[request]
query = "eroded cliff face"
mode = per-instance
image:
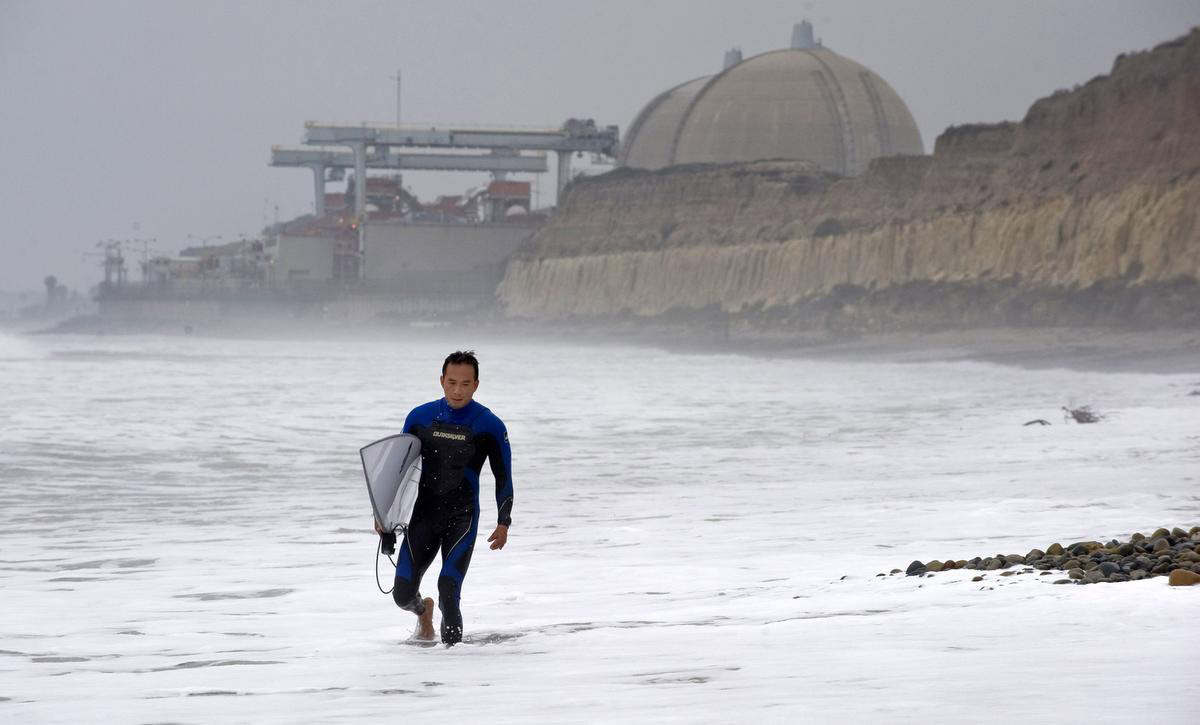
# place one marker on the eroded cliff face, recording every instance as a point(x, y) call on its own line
point(1083, 213)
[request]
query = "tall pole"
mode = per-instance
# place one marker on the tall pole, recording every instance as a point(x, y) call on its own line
point(360, 203)
point(318, 190)
point(397, 78)
point(564, 173)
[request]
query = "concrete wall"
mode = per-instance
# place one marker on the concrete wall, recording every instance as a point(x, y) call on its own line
point(440, 258)
point(304, 258)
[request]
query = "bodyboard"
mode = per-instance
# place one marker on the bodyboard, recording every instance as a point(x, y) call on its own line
point(392, 466)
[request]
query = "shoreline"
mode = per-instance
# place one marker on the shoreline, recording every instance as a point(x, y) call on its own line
point(1155, 351)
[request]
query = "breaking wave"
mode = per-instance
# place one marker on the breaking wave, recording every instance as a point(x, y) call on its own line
point(13, 347)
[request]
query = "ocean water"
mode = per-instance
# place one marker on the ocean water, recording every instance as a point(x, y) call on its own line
point(185, 537)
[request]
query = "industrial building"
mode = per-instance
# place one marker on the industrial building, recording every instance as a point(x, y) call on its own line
point(376, 243)
point(446, 254)
point(804, 102)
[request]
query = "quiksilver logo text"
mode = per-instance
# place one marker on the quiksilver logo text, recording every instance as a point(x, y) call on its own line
point(451, 436)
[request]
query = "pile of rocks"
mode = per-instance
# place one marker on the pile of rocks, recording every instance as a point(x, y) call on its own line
point(1174, 553)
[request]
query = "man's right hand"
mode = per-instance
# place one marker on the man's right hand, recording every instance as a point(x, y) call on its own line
point(378, 528)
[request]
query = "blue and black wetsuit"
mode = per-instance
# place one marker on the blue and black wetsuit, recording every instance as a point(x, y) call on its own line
point(446, 514)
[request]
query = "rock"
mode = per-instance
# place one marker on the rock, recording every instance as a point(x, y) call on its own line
point(1063, 581)
point(1183, 578)
point(895, 571)
point(1089, 562)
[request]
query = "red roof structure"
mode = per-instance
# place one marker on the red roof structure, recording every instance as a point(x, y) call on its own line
point(509, 190)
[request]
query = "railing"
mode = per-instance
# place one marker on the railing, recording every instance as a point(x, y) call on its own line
point(438, 126)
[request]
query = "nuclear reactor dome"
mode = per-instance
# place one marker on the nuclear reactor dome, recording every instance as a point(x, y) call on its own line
point(805, 102)
point(651, 136)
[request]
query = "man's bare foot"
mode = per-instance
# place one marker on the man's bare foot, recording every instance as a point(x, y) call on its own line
point(425, 621)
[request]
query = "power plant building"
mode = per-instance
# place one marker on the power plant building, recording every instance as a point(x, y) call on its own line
point(804, 102)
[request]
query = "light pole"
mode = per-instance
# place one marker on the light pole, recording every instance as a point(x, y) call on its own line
point(397, 79)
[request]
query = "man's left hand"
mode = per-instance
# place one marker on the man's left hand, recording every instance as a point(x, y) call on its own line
point(499, 537)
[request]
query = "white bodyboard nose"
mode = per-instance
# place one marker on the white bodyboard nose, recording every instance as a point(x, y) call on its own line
point(392, 466)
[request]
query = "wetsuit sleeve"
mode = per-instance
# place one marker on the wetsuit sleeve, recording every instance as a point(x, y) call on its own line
point(500, 458)
point(411, 421)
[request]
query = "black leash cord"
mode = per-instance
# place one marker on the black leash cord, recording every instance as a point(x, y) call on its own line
point(378, 551)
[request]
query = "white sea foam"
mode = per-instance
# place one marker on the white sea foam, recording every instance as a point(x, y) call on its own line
point(13, 347)
point(186, 537)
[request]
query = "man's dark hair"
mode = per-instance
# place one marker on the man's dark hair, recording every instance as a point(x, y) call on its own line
point(459, 357)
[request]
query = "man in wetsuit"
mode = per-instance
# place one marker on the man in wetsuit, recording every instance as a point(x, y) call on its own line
point(456, 434)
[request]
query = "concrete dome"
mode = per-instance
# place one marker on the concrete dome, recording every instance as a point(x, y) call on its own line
point(808, 103)
point(649, 140)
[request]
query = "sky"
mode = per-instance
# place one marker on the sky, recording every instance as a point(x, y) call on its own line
point(142, 119)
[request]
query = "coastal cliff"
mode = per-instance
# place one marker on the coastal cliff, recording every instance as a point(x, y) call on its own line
point(1084, 213)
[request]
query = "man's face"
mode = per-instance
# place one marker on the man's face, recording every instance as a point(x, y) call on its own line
point(459, 384)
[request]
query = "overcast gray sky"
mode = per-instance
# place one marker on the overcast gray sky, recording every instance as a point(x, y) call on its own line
point(149, 118)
